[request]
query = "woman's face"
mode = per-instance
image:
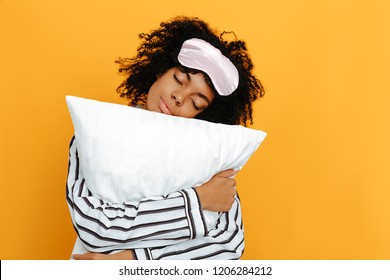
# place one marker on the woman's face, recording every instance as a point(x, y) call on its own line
point(179, 94)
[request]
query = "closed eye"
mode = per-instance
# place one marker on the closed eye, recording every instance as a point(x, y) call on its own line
point(177, 80)
point(196, 107)
point(198, 103)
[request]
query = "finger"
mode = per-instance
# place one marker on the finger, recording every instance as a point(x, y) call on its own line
point(87, 256)
point(231, 182)
point(77, 257)
point(228, 173)
point(228, 183)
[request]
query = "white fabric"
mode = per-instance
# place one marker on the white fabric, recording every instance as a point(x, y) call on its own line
point(127, 153)
point(201, 55)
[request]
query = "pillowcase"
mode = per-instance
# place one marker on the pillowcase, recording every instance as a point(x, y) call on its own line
point(128, 153)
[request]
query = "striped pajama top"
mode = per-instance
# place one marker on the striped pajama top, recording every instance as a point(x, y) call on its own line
point(164, 227)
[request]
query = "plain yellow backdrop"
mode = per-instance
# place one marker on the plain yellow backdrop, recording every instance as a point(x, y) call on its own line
point(318, 187)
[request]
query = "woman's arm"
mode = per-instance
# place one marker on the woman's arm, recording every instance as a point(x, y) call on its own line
point(104, 226)
point(224, 242)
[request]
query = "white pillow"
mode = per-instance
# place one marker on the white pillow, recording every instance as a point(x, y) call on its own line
point(128, 153)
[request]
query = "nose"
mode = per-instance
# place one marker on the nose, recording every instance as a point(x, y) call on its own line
point(178, 97)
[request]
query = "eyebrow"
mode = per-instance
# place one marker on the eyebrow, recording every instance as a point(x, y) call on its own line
point(188, 76)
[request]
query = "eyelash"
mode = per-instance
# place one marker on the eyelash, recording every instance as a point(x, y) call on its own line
point(180, 83)
point(177, 80)
point(193, 103)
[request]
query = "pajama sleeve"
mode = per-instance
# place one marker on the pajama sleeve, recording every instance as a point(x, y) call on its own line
point(224, 242)
point(105, 227)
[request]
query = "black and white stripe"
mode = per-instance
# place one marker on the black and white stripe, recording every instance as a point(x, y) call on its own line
point(166, 227)
point(226, 241)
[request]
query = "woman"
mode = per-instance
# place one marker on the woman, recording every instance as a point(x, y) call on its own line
point(182, 69)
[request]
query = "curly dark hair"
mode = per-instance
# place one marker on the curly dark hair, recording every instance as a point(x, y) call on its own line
point(158, 53)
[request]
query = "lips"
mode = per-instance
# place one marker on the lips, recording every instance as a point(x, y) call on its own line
point(164, 107)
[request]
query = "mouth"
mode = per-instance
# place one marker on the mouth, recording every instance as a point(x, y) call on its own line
point(164, 107)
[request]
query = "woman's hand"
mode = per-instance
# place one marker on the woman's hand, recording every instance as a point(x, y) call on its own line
point(124, 255)
point(217, 195)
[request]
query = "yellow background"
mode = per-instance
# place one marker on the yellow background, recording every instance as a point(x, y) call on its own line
point(318, 188)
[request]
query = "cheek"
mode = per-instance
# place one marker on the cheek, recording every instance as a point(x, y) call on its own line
point(154, 91)
point(160, 87)
point(151, 99)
